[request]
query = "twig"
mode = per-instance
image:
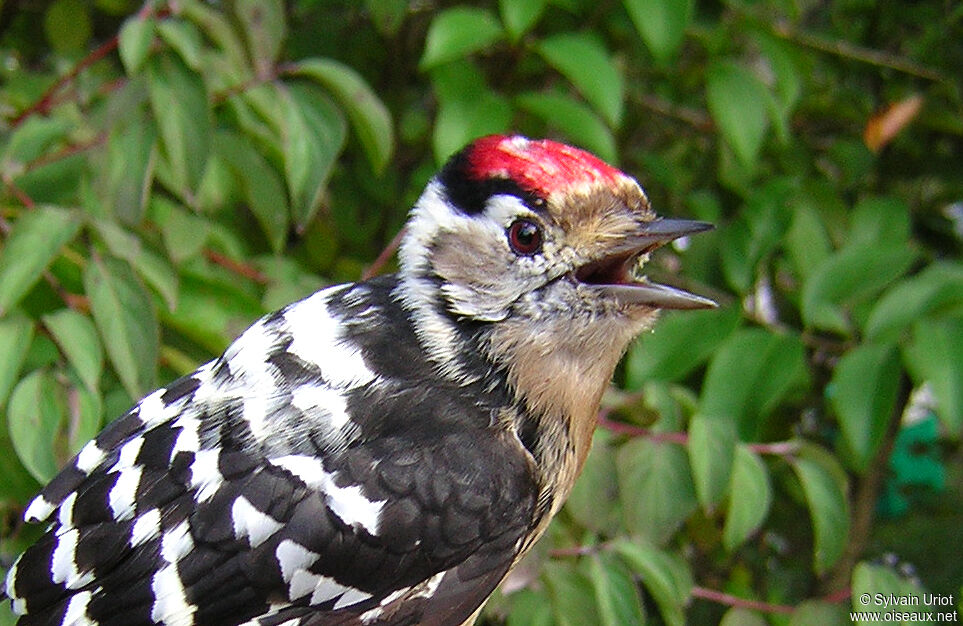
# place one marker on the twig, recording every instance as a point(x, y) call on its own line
point(638, 431)
point(858, 53)
point(705, 593)
point(49, 97)
point(741, 603)
point(779, 448)
point(17, 192)
point(254, 81)
point(43, 105)
point(693, 117)
point(236, 267)
point(382, 260)
point(65, 152)
point(867, 494)
point(556, 553)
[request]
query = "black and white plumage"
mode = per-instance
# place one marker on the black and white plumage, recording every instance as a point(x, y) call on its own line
point(381, 452)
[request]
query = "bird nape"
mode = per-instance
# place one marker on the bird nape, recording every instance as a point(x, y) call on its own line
point(381, 452)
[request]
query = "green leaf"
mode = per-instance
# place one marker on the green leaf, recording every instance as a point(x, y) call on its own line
point(179, 102)
point(571, 593)
point(216, 27)
point(661, 24)
point(750, 374)
point(31, 139)
point(30, 248)
point(742, 617)
point(615, 592)
point(134, 41)
point(289, 281)
point(680, 343)
point(936, 289)
point(806, 241)
point(260, 184)
point(457, 32)
point(572, 118)
point(863, 395)
point(875, 588)
point(530, 608)
point(520, 15)
point(125, 317)
point(468, 108)
point(265, 30)
point(934, 356)
point(750, 239)
point(589, 67)
point(125, 184)
point(76, 335)
point(387, 15)
point(665, 576)
point(787, 81)
point(183, 232)
point(656, 488)
point(819, 613)
point(825, 487)
point(211, 313)
point(85, 417)
point(712, 443)
point(185, 39)
point(594, 497)
point(738, 102)
point(750, 496)
point(847, 278)
point(369, 117)
point(312, 135)
point(881, 221)
point(152, 267)
point(67, 25)
point(35, 415)
point(16, 333)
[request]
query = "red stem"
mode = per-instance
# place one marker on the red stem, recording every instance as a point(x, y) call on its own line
point(43, 105)
point(389, 250)
point(779, 448)
point(735, 601)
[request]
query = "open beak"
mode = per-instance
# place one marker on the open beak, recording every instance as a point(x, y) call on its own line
point(617, 272)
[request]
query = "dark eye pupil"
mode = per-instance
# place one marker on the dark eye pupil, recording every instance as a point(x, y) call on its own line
point(524, 237)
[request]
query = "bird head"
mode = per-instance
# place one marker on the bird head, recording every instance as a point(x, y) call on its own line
point(518, 227)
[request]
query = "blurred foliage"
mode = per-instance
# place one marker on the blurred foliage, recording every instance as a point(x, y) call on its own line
point(174, 170)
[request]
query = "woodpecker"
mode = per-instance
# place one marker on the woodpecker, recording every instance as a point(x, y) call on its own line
point(381, 452)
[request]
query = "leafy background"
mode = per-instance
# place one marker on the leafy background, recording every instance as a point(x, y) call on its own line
point(171, 171)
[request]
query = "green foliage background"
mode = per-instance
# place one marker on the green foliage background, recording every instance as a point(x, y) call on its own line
point(172, 171)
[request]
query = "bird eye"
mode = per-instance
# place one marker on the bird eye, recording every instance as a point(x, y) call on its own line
point(525, 237)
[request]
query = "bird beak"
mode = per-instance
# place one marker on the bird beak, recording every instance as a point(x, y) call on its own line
point(617, 276)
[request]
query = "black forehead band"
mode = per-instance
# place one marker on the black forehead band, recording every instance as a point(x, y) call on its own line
point(470, 195)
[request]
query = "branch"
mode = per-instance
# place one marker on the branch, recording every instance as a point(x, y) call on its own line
point(779, 448)
point(740, 603)
point(848, 50)
point(375, 268)
point(66, 151)
point(48, 99)
point(867, 494)
point(696, 118)
point(241, 269)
